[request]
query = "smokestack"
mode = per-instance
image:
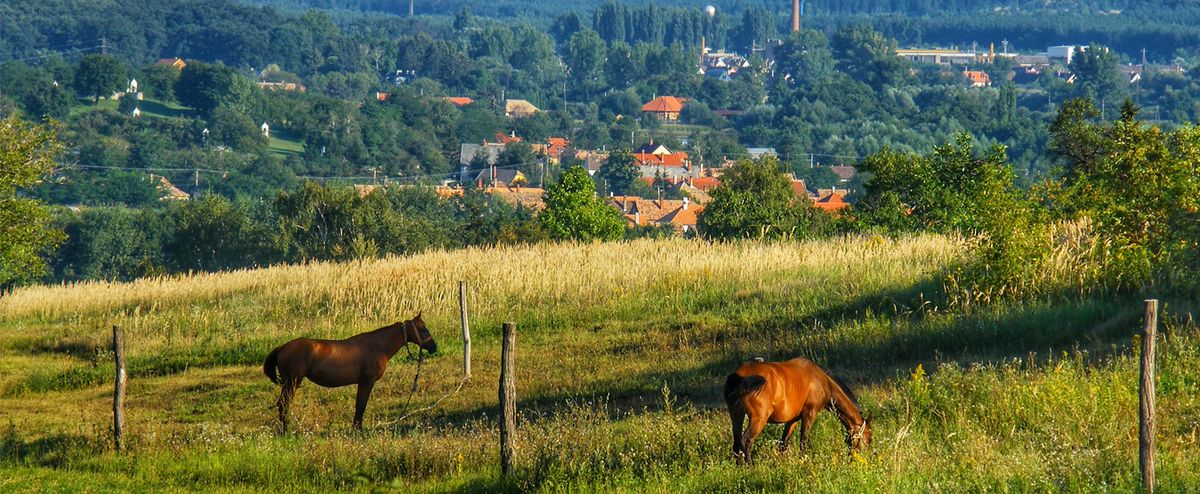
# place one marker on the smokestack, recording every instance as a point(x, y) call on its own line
point(795, 16)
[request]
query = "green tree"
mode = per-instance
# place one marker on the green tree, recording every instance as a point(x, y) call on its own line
point(953, 189)
point(158, 81)
point(1138, 190)
point(27, 152)
point(805, 58)
point(213, 233)
point(755, 200)
point(584, 56)
point(204, 87)
point(99, 75)
point(620, 172)
point(868, 56)
point(48, 100)
point(1099, 77)
point(574, 212)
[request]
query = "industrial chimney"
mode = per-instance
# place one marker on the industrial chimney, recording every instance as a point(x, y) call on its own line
point(795, 16)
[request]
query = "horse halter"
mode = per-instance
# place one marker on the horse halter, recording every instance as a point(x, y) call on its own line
point(859, 432)
point(409, 324)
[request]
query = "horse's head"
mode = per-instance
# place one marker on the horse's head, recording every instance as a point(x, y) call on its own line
point(859, 437)
point(416, 332)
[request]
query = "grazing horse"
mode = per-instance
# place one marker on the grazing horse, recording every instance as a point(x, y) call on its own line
point(788, 393)
point(359, 359)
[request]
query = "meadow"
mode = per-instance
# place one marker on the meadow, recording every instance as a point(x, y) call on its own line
point(621, 352)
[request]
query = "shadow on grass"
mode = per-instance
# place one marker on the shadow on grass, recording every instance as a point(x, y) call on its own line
point(870, 339)
point(55, 451)
point(151, 365)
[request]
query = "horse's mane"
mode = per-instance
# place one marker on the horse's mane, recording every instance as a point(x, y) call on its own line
point(845, 388)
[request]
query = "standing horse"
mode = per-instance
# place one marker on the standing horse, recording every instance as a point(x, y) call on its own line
point(359, 359)
point(788, 393)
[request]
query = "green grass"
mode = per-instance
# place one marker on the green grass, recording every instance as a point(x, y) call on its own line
point(150, 108)
point(285, 143)
point(622, 349)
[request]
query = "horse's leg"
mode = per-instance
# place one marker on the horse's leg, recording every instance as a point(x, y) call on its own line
point(360, 404)
point(787, 434)
point(806, 421)
point(285, 400)
point(756, 427)
point(738, 418)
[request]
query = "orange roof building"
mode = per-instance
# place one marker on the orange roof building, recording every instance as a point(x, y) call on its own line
point(680, 214)
point(176, 62)
point(832, 202)
point(977, 78)
point(665, 107)
point(459, 101)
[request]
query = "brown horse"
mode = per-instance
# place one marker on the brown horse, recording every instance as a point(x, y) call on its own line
point(788, 393)
point(359, 359)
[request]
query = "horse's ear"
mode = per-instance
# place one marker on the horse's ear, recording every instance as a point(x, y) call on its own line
point(419, 312)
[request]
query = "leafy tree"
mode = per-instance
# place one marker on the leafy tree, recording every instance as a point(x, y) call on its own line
point(755, 200)
point(868, 56)
point(236, 130)
point(48, 100)
point(620, 172)
point(1099, 77)
point(204, 87)
point(99, 75)
point(1138, 190)
point(158, 81)
point(112, 243)
point(950, 190)
point(27, 151)
point(584, 56)
point(212, 234)
point(805, 58)
point(574, 212)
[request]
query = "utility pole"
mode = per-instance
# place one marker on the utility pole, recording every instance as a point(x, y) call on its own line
point(197, 182)
point(103, 45)
point(410, 8)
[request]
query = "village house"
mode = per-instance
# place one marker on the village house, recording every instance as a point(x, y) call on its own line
point(459, 101)
point(552, 149)
point(679, 214)
point(500, 177)
point(665, 108)
point(517, 108)
point(167, 191)
point(178, 63)
point(528, 197)
point(282, 86)
point(656, 159)
point(977, 78)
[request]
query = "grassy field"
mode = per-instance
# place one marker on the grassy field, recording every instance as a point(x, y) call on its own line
point(284, 143)
point(150, 108)
point(622, 349)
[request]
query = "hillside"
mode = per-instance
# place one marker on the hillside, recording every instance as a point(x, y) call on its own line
point(622, 348)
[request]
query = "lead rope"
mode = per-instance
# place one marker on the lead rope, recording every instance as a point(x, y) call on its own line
point(413, 390)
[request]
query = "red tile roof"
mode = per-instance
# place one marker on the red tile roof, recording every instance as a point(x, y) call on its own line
point(832, 202)
point(706, 183)
point(664, 104)
point(673, 159)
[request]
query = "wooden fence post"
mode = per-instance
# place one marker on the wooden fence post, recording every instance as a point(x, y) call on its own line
point(466, 329)
point(119, 388)
point(1146, 421)
point(508, 397)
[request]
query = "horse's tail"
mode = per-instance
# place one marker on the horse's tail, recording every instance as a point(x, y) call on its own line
point(269, 365)
point(737, 387)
